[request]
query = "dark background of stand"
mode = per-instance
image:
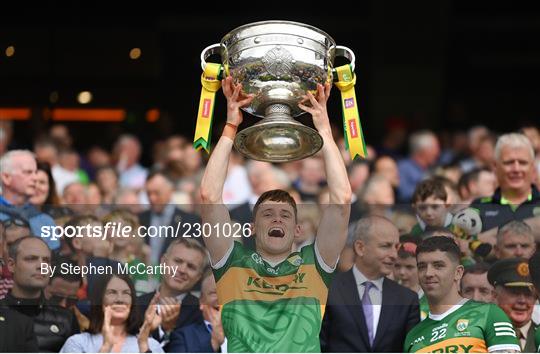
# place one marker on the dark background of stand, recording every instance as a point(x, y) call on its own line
point(445, 64)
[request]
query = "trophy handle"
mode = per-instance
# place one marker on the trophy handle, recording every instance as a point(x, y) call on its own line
point(342, 51)
point(208, 51)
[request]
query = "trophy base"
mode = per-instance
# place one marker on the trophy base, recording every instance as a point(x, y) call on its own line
point(278, 138)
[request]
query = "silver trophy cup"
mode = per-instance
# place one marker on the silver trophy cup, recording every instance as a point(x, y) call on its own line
point(278, 62)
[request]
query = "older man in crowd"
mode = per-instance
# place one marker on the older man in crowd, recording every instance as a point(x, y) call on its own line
point(515, 295)
point(366, 311)
point(18, 170)
point(517, 197)
point(515, 239)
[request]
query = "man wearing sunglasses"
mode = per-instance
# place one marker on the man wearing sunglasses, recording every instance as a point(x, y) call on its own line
point(18, 170)
point(62, 290)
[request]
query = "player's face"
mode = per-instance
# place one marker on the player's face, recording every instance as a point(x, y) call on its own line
point(275, 227)
point(406, 273)
point(477, 287)
point(432, 211)
point(438, 274)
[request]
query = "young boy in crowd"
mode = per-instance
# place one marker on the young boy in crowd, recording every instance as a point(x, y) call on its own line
point(406, 271)
point(430, 204)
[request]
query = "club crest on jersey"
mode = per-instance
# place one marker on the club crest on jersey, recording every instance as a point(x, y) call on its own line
point(295, 260)
point(462, 324)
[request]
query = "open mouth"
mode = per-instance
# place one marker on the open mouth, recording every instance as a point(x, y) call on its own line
point(276, 232)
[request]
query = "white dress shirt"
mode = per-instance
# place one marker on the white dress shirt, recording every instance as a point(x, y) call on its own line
point(375, 294)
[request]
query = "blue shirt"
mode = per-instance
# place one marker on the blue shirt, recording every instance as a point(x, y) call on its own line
point(409, 176)
point(35, 218)
point(91, 343)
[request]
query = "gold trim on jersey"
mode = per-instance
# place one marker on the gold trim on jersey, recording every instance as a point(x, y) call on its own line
point(246, 284)
point(456, 345)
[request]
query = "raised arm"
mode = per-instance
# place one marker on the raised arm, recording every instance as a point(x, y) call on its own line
point(332, 231)
point(213, 211)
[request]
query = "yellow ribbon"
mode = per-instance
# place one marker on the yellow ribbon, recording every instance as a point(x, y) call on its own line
point(210, 85)
point(354, 136)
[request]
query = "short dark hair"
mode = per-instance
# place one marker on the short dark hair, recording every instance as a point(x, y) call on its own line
point(432, 187)
point(71, 277)
point(477, 268)
point(159, 172)
point(440, 243)
point(13, 249)
point(437, 231)
point(193, 244)
point(468, 177)
point(96, 301)
point(534, 269)
point(276, 195)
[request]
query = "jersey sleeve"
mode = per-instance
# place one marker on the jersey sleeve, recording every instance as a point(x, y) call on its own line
point(310, 254)
point(500, 333)
point(233, 253)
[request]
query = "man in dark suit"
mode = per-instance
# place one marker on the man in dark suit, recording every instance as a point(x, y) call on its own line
point(204, 337)
point(367, 312)
point(160, 188)
point(176, 305)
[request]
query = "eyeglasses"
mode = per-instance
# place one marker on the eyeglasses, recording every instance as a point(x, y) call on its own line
point(56, 299)
point(15, 221)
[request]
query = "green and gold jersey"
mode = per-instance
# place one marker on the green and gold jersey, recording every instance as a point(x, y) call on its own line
point(269, 308)
point(537, 339)
point(469, 327)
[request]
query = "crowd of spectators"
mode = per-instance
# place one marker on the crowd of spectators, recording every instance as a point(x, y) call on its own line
point(419, 188)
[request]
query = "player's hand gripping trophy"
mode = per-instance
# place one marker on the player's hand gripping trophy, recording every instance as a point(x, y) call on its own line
point(277, 63)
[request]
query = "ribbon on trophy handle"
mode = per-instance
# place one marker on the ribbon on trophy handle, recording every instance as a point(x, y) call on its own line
point(211, 83)
point(354, 136)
